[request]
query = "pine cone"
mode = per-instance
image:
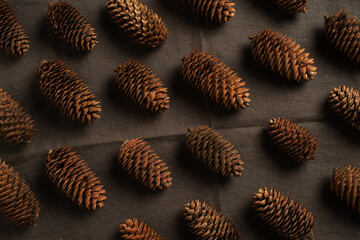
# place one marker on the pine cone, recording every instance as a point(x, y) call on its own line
point(291, 6)
point(68, 24)
point(213, 78)
point(284, 215)
point(145, 88)
point(293, 140)
point(67, 91)
point(206, 223)
point(17, 201)
point(138, 22)
point(345, 102)
point(71, 174)
point(346, 184)
point(134, 229)
point(282, 55)
point(16, 125)
point(343, 32)
point(219, 11)
point(12, 36)
point(217, 153)
point(139, 160)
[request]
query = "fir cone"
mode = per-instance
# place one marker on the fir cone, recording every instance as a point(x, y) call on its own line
point(213, 78)
point(284, 215)
point(12, 36)
point(346, 184)
point(67, 91)
point(138, 22)
point(206, 223)
point(17, 201)
point(145, 88)
point(217, 153)
point(282, 55)
point(134, 229)
point(219, 11)
point(71, 174)
point(139, 160)
point(16, 125)
point(343, 32)
point(292, 6)
point(345, 102)
point(293, 140)
point(68, 24)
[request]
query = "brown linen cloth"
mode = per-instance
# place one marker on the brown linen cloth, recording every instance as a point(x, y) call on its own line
point(165, 132)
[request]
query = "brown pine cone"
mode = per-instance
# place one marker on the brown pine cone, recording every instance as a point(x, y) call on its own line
point(284, 215)
point(139, 160)
point(346, 184)
point(17, 201)
point(343, 32)
point(12, 36)
point(217, 153)
point(293, 140)
point(71, 174)
point(282, 55)
point(206, 223)
point(67, 91)
point(219, 11)
point(145, 88)
point(213, 78)
point(134, 229)
point(291, 6)
point(16, 125)
point(68, 24)
point(138, 22)
point(345, 102)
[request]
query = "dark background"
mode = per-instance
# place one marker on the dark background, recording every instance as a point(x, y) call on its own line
point(165, 132)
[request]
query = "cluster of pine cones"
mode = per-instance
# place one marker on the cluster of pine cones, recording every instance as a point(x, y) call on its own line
point(205, 72)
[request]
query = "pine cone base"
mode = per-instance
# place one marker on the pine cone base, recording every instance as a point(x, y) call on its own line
point(134, 229)
point(292, 6)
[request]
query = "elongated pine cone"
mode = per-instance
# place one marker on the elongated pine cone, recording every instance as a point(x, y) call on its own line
point(71, 174)
point(145, 88)
point(139, 160)
point(343, 32)
point(293, 140)
point(292, 6)
point(138, 22)
point(134, 229)
point(284, 215)
point(345, 103)
point(12, 36)
point(217, 153)
point(16, 125)
point(216, 80)
point(282, 55)
point(346, 184)
point(68, 24)
point(67, 91)
point(219, 11)
point(17, 201)
point(206, 223)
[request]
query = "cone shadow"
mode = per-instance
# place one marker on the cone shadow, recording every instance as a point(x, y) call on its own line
point(271, 10)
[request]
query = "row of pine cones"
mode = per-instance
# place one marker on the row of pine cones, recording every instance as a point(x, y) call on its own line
point(72, 175)
point(146, 28)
